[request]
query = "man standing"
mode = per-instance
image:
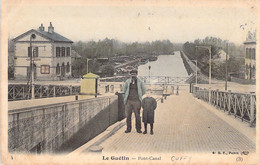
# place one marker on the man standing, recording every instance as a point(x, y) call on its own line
point(133, 90)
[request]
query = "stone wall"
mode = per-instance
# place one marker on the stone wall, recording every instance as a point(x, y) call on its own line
point(47, 128)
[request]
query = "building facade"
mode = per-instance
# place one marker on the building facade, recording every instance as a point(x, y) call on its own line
point(250, 60)
point(51, 55)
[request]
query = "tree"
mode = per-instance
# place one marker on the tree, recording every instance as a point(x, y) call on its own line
point(107, 70)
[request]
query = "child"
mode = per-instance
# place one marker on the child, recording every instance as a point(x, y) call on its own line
point(149, 104)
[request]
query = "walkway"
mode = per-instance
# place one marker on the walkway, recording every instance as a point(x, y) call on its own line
point(183, 124)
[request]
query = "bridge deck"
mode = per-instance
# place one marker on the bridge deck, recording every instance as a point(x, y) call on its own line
point(184, 124)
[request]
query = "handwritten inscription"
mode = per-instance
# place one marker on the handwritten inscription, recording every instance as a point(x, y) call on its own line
point(181, 158)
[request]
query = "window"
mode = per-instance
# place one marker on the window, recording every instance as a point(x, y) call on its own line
point(63, 69)
point(253, 53)
point(247, 52)
point(58, 69)
point(35, 52)
point(250, 53)
point(57, 51)
point(68, 67)
point(68, 51)
point(45, 69)
point(63, 52)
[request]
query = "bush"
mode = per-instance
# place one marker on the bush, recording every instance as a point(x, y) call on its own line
point(107, 70)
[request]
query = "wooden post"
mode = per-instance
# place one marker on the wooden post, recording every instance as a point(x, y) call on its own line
point(217, 98)
point(71, 90)
point(112, 88)
point(121, 87)
point(209, 95)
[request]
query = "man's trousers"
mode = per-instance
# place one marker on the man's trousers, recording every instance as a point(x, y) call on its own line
point(133, 106)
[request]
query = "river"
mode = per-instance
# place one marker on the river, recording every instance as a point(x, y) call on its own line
point(166, 65)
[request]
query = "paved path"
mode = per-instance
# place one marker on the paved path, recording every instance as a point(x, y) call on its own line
point(182, 124)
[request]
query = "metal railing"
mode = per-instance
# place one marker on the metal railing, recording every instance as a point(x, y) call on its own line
point(114, 79)
point(22, 91)
point(163, 79)
point(240, 105)
point(149, 79)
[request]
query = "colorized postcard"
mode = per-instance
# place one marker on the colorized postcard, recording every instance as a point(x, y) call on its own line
point(129, 82)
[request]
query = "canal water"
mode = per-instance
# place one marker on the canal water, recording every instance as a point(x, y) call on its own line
point(166, 65)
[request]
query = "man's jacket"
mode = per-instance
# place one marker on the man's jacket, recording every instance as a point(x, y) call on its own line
point(140, 86)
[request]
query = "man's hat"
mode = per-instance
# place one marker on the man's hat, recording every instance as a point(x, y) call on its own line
point(134, 71)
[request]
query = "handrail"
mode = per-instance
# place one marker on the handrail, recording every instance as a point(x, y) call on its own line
point(20, 91)
point(240, 105)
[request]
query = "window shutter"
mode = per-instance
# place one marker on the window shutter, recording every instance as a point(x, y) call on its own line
point(29, 51)
point(35, 52)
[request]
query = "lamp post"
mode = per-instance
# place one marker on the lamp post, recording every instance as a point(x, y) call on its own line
point(196, 70)
point(226, 67)
point(87, 64)
point(31, 79)
point(149, 67)
point(209, 48)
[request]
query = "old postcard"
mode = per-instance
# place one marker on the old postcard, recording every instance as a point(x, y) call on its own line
point(129, 82)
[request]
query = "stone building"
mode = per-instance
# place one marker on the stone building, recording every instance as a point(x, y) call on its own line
point(51, 55)
point(250, 59)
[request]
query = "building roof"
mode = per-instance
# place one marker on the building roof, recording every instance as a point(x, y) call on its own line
point(90, 75)
point(75, 54)
point(51, 36)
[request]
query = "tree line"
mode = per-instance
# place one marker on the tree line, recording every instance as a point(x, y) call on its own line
point(235, 62)
point(108, 48)
point(111, 47)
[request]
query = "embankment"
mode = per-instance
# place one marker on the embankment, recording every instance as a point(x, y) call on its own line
point(60, 127)
point(186, 65)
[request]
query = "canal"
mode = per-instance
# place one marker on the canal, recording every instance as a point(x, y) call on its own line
point(166, 65)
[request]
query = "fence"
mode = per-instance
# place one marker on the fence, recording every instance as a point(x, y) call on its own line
point(163, 79)
point(114, 79)
point(149, 79)
point(22, 91)
point(240, 105)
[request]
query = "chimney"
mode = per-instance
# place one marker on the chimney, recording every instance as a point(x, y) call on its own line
point(41, 28)
point(50, 28)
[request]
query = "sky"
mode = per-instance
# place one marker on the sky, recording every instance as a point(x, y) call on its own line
point(134, 23)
